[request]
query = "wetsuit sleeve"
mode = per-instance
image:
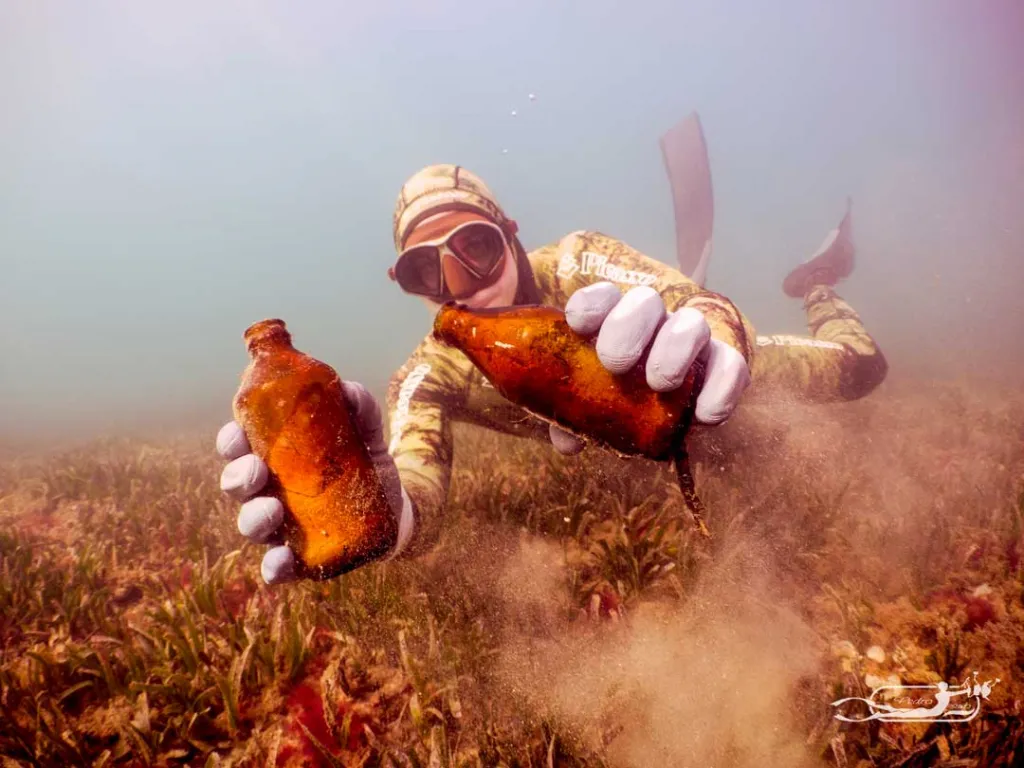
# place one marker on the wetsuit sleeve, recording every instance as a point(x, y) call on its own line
point(583, 258)
point(421, 397)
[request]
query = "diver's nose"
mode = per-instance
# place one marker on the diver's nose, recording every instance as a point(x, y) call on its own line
point(460, 281)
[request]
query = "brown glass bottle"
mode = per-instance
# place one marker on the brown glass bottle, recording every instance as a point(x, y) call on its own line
point(534, 359)
point(294, 412)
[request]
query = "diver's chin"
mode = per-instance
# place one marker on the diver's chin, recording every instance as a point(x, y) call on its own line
point(477, 301)
point(470, 301)
point(499, 295)
point(488, 298)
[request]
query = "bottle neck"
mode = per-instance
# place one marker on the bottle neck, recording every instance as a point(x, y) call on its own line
point(264, 346)
point(267, 336)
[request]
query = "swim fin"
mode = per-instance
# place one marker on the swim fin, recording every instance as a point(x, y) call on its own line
point(832, 262)
point(685, 155)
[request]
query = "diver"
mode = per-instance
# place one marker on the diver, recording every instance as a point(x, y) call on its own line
point(454, 241)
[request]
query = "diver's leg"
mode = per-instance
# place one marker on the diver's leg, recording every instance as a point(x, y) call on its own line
point(840, 360)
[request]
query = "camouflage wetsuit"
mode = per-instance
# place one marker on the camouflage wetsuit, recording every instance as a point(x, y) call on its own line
point(438, 385)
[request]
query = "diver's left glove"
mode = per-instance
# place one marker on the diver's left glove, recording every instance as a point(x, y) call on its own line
point(260, 517)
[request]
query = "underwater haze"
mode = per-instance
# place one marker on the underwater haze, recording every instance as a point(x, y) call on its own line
point(173, 172)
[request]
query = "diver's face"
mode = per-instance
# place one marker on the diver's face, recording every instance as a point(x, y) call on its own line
point(474, 262)
point(500, 294)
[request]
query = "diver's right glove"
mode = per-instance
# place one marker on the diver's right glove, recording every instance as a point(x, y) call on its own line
point(627, 324)
point(260, 517)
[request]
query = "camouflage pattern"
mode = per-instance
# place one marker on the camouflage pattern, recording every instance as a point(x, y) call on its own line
point(438, 386)
point(839, 362)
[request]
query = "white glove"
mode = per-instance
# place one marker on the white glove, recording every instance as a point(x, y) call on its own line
point(626, 324)
point(260, 517)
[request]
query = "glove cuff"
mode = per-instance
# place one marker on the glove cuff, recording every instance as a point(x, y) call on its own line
point(406, 524)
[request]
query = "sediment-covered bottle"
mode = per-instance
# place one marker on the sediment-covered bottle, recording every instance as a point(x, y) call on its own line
point(294, 412)
point(536, 360)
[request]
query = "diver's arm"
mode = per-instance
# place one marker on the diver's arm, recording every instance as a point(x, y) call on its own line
point(598, 278)
point(585, 258)
point(420, 398)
